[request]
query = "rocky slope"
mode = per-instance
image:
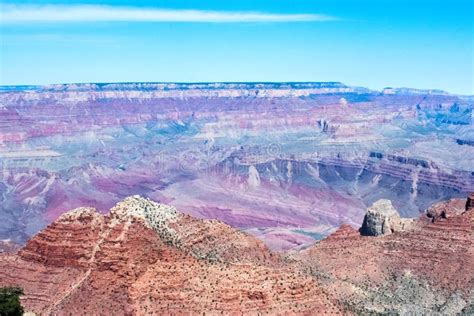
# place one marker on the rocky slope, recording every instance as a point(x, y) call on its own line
point(307, 156)
point(148, 258)
point(426, 268)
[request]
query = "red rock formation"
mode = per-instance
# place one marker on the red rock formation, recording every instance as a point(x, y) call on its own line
point(446, 209)
point(388, 272)
point(343, 232)
point(68, 242)
point(146, 258)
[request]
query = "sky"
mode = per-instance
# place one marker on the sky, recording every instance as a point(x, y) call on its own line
point(371, 43)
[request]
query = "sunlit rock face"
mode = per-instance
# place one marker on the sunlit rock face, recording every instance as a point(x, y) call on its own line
point(383, 219)
point(286, 162)
point(423, 270)
point(146, 258)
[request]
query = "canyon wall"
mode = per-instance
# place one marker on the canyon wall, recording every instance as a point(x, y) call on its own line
point(286, 162)
point(149, 258)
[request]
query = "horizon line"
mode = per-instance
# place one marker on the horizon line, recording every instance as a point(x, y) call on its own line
point(427, 90)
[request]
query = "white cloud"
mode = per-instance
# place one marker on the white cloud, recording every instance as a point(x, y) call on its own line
point(94, 13)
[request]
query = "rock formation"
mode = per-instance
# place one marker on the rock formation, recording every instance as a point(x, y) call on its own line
point(383, 219)
point(445, 209)
point(470, 203)
point(428, 269)
point(148, 258)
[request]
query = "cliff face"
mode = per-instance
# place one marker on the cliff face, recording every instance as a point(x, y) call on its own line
point(428, 268)
point(149, 258)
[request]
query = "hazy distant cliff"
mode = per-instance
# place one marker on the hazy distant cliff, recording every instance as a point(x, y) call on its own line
point(287, 162)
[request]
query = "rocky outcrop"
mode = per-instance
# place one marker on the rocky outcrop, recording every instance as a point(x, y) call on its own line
point(148, 258)
point(68, 242)
point(470, 203)
point(428, 269)
point(383, 219)
point(445, 209)
point(204, 239)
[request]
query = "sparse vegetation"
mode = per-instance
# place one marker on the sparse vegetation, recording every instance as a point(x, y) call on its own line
point(10, 301)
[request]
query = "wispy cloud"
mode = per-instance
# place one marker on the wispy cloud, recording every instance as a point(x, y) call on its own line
point(95, 13)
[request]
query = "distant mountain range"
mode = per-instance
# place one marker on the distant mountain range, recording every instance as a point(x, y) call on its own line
point(121, 86)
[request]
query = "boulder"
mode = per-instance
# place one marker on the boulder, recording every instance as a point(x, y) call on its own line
point(383, 219)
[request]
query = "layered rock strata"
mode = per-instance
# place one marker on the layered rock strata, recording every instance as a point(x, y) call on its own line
point(426, 269)
point(148, 258)
point(308, 156)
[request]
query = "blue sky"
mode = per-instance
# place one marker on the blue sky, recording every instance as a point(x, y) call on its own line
point(372, 43)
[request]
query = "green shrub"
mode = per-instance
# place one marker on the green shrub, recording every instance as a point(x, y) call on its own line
point(10, 301)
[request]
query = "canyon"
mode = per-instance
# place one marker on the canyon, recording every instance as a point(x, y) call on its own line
point(288, 163)
point(144, 257)
point(147, 258)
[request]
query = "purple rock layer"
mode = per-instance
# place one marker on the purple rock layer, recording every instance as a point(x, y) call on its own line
point(286, 162)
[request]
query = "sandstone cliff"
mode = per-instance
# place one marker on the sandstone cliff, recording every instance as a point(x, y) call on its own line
point(148, 258)
point(426, 269)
